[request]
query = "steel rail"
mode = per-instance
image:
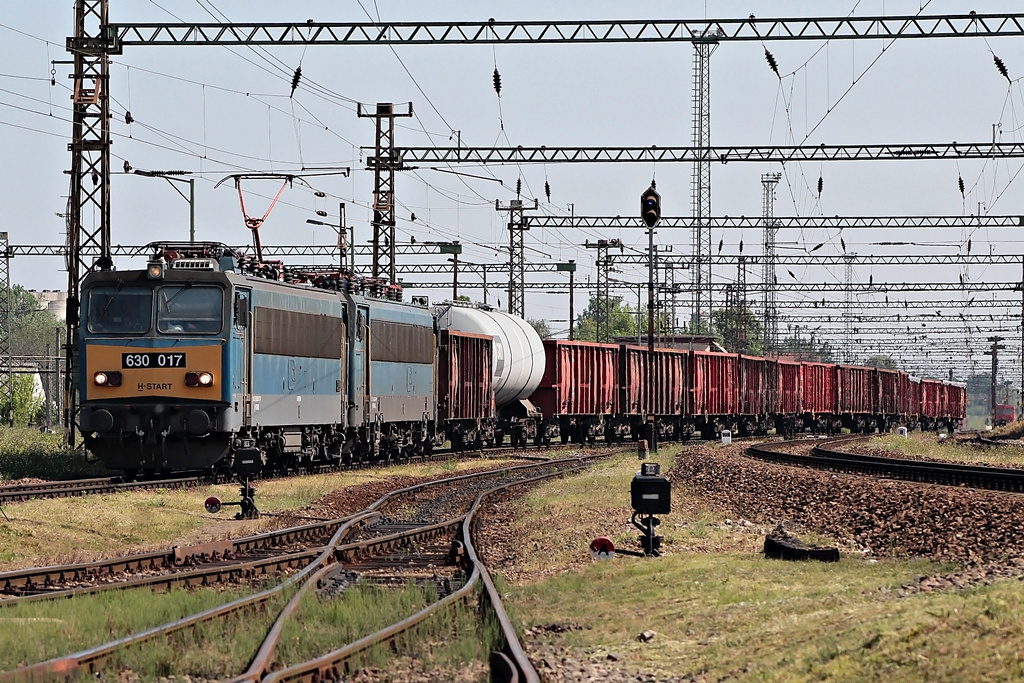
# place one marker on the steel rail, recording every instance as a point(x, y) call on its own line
point(93, 659)
point(85, 487)
point(885, 27)
point(823, 456)
point(331, 666)
point(49, 578)
point(42, 583)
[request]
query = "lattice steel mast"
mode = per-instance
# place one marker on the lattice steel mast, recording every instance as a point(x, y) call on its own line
point(768, 275)
point(385, 162)
point(602, 317)
point(700, 181)
point(88, 215)
point(516, 256)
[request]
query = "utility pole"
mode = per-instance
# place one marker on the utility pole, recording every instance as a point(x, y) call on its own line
point(994, 352)
point(570, 267)
point(604, 265)
point(516, 259)
point(768, 275)
point(7, 311)
point(453, 248)
point(650, 212)
point(88, 218)
point(385, 162)
point(848, 309)
point(701, 176)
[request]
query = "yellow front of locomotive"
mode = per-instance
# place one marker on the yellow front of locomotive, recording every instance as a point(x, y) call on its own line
point(152, 385)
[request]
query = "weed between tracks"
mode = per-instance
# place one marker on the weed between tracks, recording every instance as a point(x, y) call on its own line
point(443, 642)
point(924, 444)
point(35, 632)
point(719, 609)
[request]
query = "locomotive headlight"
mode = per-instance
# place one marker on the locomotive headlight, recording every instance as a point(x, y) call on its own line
point(199, 379)
point(155, 270)
point(107, 379)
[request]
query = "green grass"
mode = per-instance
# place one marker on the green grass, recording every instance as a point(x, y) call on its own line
point(35, 632)
point(927, 445)
point(452, 637)
point(26, 453)
point(720, 610)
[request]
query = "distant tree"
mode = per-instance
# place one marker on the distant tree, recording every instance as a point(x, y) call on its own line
point(28, 401)
point(739, 330)
point(806, 349)
point(881, 361)
point(462, 297)
point(621, 321)
point(32, 326)
point(542, 327)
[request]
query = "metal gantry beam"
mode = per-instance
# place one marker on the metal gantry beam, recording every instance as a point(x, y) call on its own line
point(802, 222)
point(720, 154)
point(731, 260)
point(798, 287)
point(752, 28)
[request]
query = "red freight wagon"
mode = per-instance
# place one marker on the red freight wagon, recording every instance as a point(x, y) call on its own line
point(464, 369)
point(789, 398)
point(820, 387)
point(714, 387)
point(887, 392)
point(916, 394)
point(758, 385)
point(666, 369)
point(957, 401)
point(855, 389)
point(931, 398)
point(580, 378)
point(905, 396)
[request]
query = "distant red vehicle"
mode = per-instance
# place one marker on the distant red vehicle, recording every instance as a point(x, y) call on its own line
point(1005, 413)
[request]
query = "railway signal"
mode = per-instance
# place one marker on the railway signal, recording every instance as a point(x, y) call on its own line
point(650, 206)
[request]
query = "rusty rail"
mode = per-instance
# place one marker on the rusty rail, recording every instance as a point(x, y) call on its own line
point(510, 665)
point(85, 487)
point(92, 660)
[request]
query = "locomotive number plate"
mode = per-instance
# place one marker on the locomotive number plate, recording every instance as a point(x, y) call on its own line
point(152, 360)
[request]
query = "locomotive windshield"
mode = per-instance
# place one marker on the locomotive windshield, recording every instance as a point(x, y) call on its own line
point(120, 309)
point(189, 309)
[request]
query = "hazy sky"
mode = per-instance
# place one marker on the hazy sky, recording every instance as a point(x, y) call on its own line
point(220, 110)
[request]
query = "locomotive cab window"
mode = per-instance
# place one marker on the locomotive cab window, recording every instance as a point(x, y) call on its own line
point(189, 309)
point(119, 309)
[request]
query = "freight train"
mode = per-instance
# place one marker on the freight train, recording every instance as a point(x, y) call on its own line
point(211, 360)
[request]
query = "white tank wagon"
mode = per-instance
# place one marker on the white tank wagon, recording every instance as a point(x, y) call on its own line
point(518, 361)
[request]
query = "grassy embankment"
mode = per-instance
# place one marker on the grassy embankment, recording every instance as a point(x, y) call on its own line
point(28, 453)
point(718, 608)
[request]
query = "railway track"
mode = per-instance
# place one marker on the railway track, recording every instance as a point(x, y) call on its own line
point(104, 485)
point(375, 542)
point(825, 455)
point(85, 487)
